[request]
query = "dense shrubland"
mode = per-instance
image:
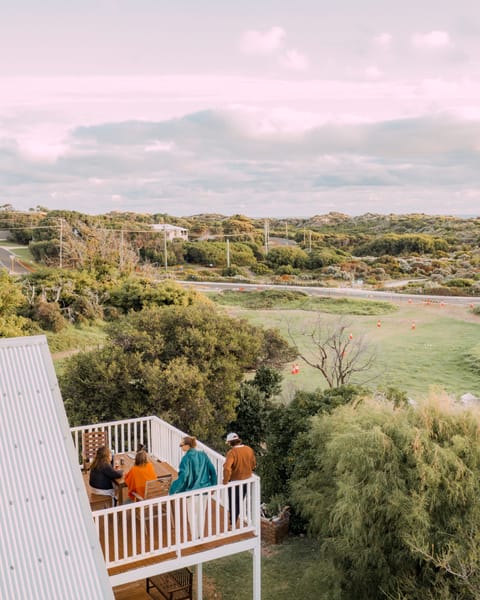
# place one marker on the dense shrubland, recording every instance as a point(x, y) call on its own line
point(323, 249)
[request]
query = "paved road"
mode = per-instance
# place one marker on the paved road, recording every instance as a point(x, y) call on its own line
point(335, 292)
point(9, 261)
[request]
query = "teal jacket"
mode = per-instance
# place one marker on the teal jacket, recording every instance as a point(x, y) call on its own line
point(196, 471)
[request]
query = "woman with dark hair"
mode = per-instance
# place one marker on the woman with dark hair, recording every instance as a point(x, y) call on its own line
point(195, 471)
point(102, 474)
point(141, 472)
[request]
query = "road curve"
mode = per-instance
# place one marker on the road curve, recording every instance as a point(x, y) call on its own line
point(335, 292)
point(9, 261)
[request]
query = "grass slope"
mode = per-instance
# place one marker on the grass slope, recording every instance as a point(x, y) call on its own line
point(437, 352)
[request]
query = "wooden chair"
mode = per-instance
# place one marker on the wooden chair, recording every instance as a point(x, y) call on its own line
point(99, 501)
point(91, 442)
point(155, 488)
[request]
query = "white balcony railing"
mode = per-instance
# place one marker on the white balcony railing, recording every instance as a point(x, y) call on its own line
point(170, 524)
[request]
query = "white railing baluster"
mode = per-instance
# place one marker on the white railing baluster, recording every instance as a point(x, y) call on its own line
point(169, 530)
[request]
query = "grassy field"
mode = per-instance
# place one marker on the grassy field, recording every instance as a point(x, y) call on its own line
point(291, 300)
point(436, 353)
point(282, 568)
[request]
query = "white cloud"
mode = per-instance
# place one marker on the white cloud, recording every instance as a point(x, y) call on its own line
point(373, 72)
point(158, 146)
point(383, 39)
point(433, 39)
point(295, 60)
point(262, 42)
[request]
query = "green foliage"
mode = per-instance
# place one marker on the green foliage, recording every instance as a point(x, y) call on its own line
point(268, 381)
point(215, 253)
point(11, 297)
point(254, 407)
point(49, 316)
point(392, 495)
point(287, 255)
point(135, 293)
point(183, 363)
point(11, 302)
point(324, 257)
point(253, 413)
point(395, 244)
point(286, 423)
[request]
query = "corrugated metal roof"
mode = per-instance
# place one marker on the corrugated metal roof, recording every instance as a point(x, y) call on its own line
point(48, 545)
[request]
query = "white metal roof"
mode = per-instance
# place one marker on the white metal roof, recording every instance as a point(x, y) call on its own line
point(49, 548)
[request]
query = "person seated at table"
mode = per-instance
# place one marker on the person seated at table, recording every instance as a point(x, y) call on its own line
point(141, 472)
point(102, 474)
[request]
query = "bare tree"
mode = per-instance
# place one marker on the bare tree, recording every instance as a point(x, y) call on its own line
point(335, 352)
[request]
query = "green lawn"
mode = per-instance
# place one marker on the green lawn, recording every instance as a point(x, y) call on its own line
point(282, 568)
point(435, 353)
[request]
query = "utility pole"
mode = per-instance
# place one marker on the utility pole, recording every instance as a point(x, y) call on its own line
point(228, 253)
point(121, 249)
point(266, 235)
point(61, 244)
point(309, 240)
point(165, 247)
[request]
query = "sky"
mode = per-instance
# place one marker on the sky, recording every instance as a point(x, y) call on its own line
point(263, 108)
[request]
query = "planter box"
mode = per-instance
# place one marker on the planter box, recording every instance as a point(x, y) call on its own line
point(275, 530)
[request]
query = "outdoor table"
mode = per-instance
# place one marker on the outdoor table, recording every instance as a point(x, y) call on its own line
point(125, 461)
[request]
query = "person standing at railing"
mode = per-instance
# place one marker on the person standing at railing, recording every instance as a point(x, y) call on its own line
point(102, 474)
point(196, 471)
point(240, 463)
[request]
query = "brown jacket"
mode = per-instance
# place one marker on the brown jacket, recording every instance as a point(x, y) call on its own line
point(239, 463)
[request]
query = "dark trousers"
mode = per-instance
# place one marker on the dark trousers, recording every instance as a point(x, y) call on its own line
point(235, 497)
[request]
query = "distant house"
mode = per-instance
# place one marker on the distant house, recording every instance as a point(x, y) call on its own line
point(171, 231)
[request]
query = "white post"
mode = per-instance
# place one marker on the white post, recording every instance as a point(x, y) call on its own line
point(199, 573)
point(257, 572)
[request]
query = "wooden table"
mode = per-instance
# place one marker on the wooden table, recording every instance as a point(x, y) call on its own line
point(125, 461)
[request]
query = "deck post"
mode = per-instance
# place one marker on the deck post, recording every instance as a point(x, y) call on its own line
point(257, 571)
point(199, 574)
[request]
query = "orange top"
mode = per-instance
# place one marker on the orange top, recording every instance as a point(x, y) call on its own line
point(136, 478)
point(239, 463)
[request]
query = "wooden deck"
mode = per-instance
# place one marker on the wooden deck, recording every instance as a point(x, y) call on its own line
point(126, 536)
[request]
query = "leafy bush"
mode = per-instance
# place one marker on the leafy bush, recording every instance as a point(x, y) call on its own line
point(392, 496)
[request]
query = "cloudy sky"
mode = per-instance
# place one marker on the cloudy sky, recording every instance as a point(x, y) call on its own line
point(261, 107)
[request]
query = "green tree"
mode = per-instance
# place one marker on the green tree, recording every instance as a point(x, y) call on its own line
point(285, 424)
point(287, 255)
point(12, 301)
point(392, 496)
point(183, 363)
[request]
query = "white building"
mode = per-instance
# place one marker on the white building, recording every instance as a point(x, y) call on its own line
point(171, 232)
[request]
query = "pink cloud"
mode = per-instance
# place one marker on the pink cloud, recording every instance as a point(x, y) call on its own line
point(262, 42)
point(433, 39)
